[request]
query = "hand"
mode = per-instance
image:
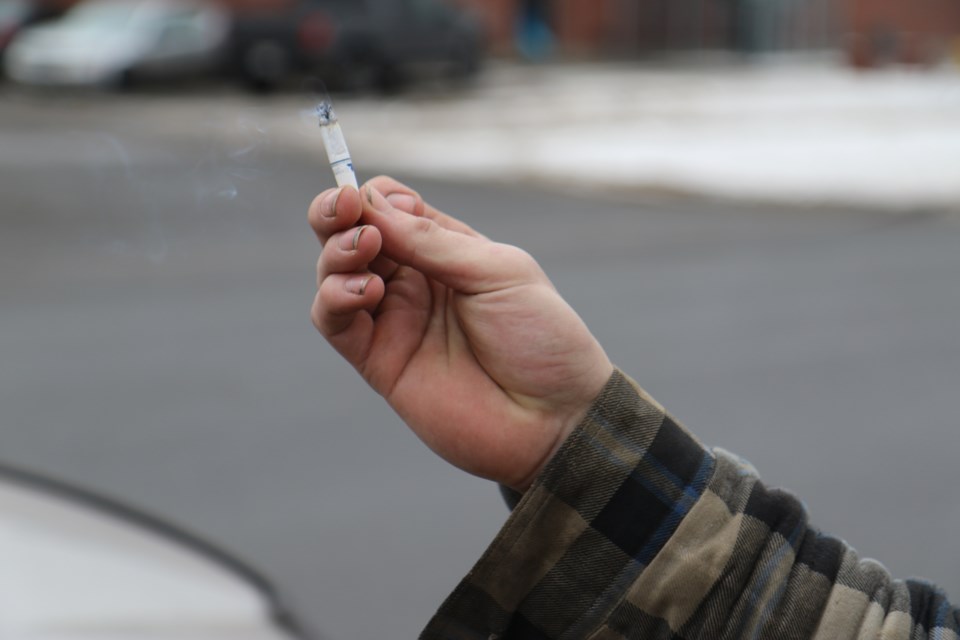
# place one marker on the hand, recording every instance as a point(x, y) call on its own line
point(466, 338)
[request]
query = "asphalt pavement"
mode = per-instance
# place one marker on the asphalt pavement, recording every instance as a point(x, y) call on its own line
point(156, 345)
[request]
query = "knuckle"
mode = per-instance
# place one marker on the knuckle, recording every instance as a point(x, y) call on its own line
point(517, 256)
point(424, 226)
point(520, 260)
point(422, 230)
point(325, 293)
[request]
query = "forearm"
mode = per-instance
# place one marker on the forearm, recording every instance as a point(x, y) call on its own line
point(636, 530)
point(781, 578)
point(574, 545)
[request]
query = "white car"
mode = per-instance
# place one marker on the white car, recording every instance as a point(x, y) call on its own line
point(80, 565)
point(113, 42)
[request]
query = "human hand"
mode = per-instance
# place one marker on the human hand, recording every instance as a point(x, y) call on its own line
point(465, 338)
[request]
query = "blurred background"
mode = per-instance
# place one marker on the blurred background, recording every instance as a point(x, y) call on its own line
point(754, 205)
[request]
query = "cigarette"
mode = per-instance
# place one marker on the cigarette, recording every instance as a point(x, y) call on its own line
point(336, 146)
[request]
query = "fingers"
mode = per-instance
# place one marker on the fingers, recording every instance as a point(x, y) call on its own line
point(338, 209)
point(342, 312)
point(350, 251)
point(406, 199)
point(347, 293)
point(333, 211)
point(400, 195)
point(466, 262)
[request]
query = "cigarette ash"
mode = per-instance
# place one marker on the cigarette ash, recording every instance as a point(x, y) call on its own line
point(325, 113)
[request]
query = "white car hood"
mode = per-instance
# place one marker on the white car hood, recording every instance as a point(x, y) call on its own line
point(71, 572)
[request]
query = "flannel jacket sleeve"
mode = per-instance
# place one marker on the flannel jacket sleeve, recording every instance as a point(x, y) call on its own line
point(636, 531)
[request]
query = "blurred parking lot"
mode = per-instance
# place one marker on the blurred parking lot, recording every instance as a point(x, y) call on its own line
point(725, 230)
point(796, 130)
point(260, 44)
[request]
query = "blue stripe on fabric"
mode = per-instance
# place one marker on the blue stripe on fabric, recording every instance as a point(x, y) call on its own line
point(764, 579)
point(688, 491)
point(940, 624)
point(691, 493)
point(792, 543)
point(628, 575)
point(643, 453)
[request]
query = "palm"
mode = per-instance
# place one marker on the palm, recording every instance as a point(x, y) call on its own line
point(484, 379)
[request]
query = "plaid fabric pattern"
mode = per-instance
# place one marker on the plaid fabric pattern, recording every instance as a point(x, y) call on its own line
point(636, 531)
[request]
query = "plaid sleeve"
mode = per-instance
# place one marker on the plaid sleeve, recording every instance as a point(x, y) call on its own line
point(636, 531)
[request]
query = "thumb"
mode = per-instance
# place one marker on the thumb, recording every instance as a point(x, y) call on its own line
point(466, 263)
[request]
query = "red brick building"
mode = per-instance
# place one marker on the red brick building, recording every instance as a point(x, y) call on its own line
point(906, 30)
point(872, 31)
point(919, 32)
point(580, 26)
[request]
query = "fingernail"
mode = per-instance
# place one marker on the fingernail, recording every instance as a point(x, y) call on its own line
point(328, 206)
point(377, 201)
point(350, 241)
point(403, 202)
point(358, 284)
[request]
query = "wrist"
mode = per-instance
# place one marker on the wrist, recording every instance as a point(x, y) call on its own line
point(567, 422)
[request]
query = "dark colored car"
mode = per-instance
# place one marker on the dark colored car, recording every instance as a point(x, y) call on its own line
point(354, 44)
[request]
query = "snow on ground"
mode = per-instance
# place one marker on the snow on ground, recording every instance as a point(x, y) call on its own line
point(793, 132)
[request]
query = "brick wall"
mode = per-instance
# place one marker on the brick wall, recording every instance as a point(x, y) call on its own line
point(876, 31)
point(499, 17)
point(910, 31)
point(583, 26)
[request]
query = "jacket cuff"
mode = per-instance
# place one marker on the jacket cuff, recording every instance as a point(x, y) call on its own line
point(602, 509)
point(511, 497)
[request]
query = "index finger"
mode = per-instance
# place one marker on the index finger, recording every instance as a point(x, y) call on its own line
point(409, 201)
point(466, 263)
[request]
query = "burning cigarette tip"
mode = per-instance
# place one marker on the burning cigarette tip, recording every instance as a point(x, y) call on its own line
point(325, 113)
